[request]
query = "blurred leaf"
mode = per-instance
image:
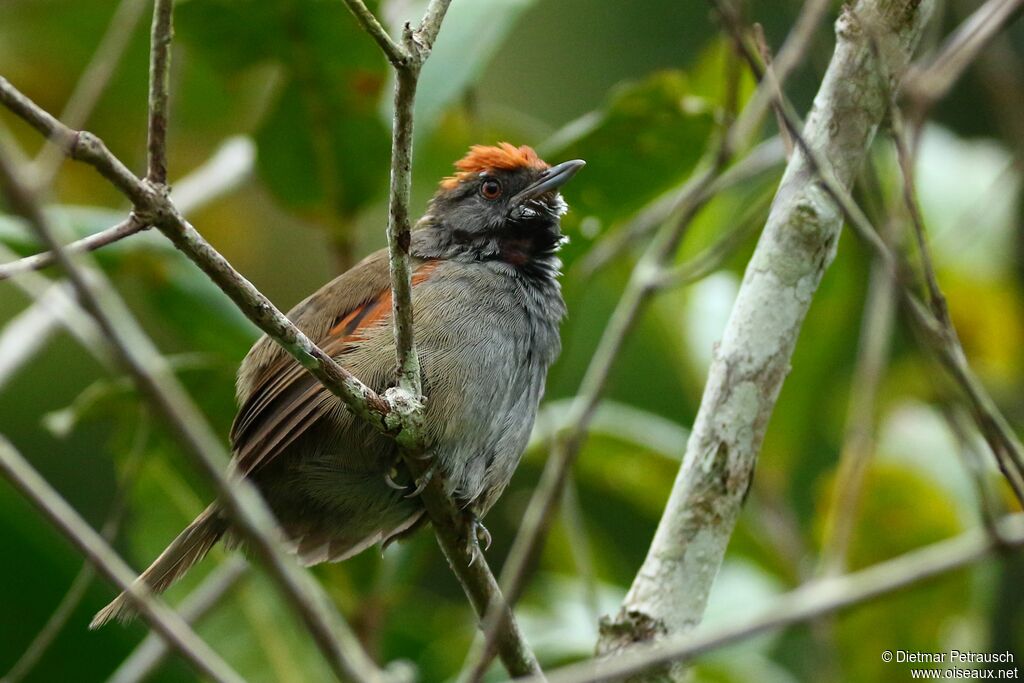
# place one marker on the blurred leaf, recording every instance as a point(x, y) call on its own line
point(472, 33)
point(623, 422)
point(561, 617)
point(971, 214)
point(322, 145)
point(667, 127)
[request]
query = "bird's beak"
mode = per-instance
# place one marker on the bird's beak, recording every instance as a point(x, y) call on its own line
point(551, 179)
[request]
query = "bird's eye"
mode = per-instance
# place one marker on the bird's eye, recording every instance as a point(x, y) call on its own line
point(490, 188)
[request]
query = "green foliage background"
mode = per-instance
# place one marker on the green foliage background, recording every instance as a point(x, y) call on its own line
point(633, 89)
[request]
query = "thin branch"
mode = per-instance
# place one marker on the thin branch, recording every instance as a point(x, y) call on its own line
point(159, 90)
point(157, 383)
point(765, 157)
point(392, 50)
point(225, 170)
point(670, 591)
point(481, 588)
point(810, 601)
point(97, 240)
point(80, 584)
point(930, 80)
point(153, 207)
point(152, 651)
point(399, 236)
point(714, 255)
point(859, 441)
point(162, 619)
point(452, 527)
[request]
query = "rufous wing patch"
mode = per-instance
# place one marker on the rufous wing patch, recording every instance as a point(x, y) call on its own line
point(290, 400)
point(501, 157)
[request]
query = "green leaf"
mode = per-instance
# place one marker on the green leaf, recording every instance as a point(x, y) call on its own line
point(472, 33)
point(322, 144)
point(667, 127)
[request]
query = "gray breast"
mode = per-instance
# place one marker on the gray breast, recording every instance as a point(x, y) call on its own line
point(487, 377)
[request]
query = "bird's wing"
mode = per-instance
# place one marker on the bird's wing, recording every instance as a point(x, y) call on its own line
point(279, 399)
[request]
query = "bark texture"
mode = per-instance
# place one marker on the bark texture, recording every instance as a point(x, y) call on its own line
point(875, 40)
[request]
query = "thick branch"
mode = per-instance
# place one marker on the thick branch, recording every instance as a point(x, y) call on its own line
point(810, 601)
point(799, 241)
point(162, 619)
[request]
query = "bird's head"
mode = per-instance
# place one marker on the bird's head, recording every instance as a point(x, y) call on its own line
point(503, 202)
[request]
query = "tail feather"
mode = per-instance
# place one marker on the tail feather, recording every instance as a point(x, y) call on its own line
point(186, 550)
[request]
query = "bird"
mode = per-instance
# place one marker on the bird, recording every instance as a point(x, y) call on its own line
point(487, 309)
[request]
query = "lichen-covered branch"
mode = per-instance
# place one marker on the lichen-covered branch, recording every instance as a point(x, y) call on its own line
point(670, 591)
point(813, 600)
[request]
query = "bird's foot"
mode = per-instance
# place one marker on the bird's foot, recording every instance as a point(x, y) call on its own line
point(389, 479)
point(424, 479)
point(477, 535)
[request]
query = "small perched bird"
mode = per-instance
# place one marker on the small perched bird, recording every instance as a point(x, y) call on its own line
point(487, 309)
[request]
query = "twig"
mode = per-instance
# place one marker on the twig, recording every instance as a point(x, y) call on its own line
point(1006, 447)
point(229, 165)
point(715, 254)
point(450, 523)
point(399, 237)
point(125, 228)
point(148, 655)
point(162, 619)
point(859, 441)
point(765, 52)
point(810, 601)
point(766, 156)
point(159, 91)
point(227, 168)
point(929, 80)
point(670, 591)
point(392, 50)
point(91, 84)
point(154, 381)
point(155, 208)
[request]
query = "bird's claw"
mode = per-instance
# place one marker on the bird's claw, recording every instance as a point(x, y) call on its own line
point(478, 534)
point(389, 480)
point(424, 479)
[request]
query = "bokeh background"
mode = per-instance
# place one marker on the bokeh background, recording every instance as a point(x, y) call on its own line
point(633, 88)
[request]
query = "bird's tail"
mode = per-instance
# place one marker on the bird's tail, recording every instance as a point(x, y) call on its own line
point(189, 547)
